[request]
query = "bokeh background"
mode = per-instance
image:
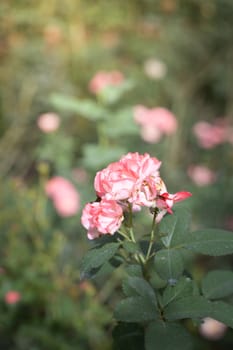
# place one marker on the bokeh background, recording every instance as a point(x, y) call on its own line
point(56, 131)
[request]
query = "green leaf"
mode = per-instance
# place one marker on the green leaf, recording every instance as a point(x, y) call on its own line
point(199, 307)
point(169, 264)
point(213, 242)
point(142, 288)
point(183, 288)
point(188, 307)
point(95, 156)
point(135, 309)
point(97, 257)
point(167, 336)
point(131, 247)
point(87, 108)
point(175, 227)
point(128, 336)
point(222, 312)
point(218, 284)
point(156, 281)
point(134, 270)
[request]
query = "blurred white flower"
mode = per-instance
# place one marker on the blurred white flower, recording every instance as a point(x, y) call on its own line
point(212, 329)
point(155, 69)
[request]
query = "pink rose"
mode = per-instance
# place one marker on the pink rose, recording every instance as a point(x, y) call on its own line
point(64, 196)
point(155, 122)
point(103, 79)
point(104, 217)
point(133, 181)
point(124, 179)
point(201, 175)
point(12, 297)
point(48, 122)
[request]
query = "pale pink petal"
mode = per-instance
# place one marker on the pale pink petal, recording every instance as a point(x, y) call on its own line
point(48, 122)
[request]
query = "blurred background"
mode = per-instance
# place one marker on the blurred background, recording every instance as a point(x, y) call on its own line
point(82, 83)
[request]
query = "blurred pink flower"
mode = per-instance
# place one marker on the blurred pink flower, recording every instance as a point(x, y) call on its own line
point(104, 217)
point(64, 196)
point(210, 135)
point(155, 122)
point(12, 297)
point(201, 175)
point(212, 329)
point(155, 69)
point(150, 135)
point(103, 79)
point(48, 122)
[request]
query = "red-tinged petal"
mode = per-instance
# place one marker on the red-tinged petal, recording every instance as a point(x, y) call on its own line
point(180, 196)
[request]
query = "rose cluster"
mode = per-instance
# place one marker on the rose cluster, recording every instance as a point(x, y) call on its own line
point(131, 183)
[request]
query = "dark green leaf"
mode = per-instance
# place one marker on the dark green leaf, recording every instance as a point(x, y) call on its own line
point(128, 336)
point(174, 228)
point(134, 270)
point(97, 257)
point(199, 307)
point(188, 307)
point(143, 288)
point(131, 247)
point(222, 312)
point(156, 281)
point(135, 309)
point(218, 284)
point(169, 264)
point(167, 336)
point(183, 288)
point(213, 242)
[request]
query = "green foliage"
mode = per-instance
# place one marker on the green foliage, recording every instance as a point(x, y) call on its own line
point(174, 228)
point(97, 257)
point(136, 309)
point(213, 242)
point(167, 336)
point(184, 287)
point(199, 307)
point(86, 108)
point(169, 264)
point(128, 336)
point(218, 284)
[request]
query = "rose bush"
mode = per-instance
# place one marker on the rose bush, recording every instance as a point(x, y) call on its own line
point(159, 291)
